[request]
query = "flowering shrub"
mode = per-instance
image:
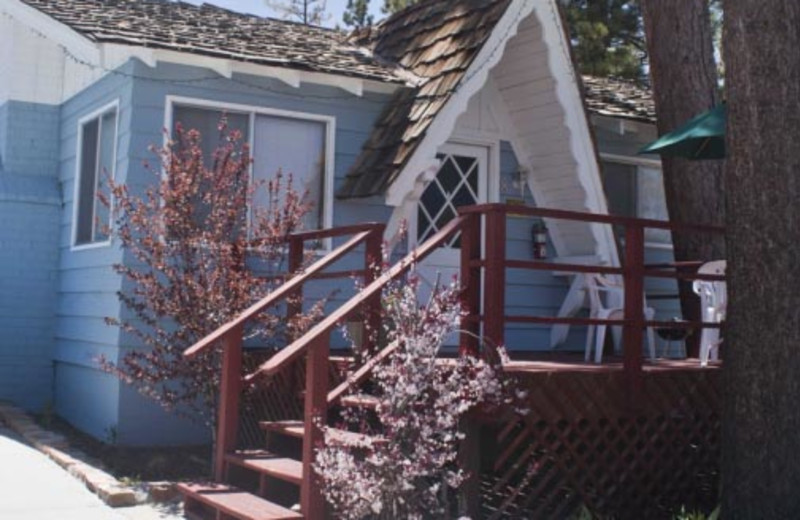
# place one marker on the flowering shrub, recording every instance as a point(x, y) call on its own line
point(189, 242)
point(407, 466)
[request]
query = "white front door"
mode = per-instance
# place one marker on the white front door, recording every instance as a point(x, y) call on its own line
point(462, 180)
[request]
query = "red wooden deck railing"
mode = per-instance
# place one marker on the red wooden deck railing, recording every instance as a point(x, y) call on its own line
point(494, 264)
point(231, 334)
point(314, 344)
point(481, 260)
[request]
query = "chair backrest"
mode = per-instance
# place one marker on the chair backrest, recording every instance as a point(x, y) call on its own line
point(595, 284)
point(714, 294)
point(595, 302)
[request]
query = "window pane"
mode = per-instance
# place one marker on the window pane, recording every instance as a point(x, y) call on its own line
point(653, 203)
point(296, 147)
point(449, 176)
point(619, 181)
point(206, 121)
point(108, 127)
point(87, 179)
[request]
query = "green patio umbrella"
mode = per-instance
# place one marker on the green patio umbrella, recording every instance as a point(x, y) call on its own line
point(703, 137)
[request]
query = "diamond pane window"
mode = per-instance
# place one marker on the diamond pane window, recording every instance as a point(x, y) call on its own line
point(455, 185)
point(465, 164)
point(449, 176)
point(464, 197)
point(433, 200)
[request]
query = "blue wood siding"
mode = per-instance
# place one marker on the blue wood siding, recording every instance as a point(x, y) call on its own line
point(139, 421)
point(84, 395)
point(29, 211)
point(528, 293)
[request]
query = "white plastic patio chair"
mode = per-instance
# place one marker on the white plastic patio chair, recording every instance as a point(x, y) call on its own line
point(713, 302)
point(596, 284)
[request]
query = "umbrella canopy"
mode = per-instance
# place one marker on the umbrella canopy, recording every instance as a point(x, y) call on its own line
point(703, 137)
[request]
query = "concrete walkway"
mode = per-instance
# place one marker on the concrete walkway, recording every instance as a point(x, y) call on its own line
point(32, 487)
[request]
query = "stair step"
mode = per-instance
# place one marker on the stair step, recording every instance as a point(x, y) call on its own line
point(346, 438)
point(289, 470)
point(360, 401)
point(235, 502)
point(290, 428)
point(335, 436)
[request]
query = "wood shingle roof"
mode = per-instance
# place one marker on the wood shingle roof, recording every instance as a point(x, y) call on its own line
point(621, 98)
point(435, 43)
point(427, 47)
point(213, 31)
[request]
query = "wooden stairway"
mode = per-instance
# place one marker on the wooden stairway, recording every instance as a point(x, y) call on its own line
point(265, 485)
point(251, 496)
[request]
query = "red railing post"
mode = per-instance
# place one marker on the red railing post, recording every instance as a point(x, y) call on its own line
point(470, 285)
point(494, 279)
point(294, 305)
point(373, 257)
point(229, 392)
point(633, 330)
point(312, 502)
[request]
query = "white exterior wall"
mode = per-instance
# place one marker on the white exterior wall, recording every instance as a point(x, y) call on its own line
point(35, 65)
point(527, 85)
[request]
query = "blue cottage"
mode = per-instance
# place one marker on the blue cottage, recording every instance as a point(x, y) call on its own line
point(401, 122)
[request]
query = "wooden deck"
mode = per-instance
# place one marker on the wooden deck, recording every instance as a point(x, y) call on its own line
point(587, 440)
point(627, 438)
point(573, 362)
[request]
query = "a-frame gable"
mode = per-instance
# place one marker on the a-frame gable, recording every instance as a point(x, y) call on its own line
point(526, 58)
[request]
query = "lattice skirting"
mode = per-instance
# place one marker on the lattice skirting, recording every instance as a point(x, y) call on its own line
point(587, 442)
point(276, 398)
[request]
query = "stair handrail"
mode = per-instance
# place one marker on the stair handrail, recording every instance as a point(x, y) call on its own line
point(288, 354)
point(298, 280)
point(360, 375)
point(315, 344)
point(231, 334)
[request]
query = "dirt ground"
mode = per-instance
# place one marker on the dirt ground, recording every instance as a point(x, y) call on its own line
point(137, 464)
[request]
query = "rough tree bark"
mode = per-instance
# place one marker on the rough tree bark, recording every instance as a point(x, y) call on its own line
point(684, 78)
point(761, 416)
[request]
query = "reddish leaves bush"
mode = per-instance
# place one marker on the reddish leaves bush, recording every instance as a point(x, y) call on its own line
point(197, 253)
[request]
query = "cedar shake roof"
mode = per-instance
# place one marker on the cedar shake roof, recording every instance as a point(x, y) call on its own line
point(435, 42)
point(212, 31)
point(621, 98)
point(429, 46)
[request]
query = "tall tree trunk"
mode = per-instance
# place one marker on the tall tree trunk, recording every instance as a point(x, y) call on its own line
point(684, 77)
point(761, 416)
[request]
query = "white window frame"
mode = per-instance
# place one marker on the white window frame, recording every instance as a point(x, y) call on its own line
point(96, 114)
point(639, 162)
point(252, 111)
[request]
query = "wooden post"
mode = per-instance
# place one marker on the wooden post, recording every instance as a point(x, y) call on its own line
point(373, 256)
point(294, 301)
point(229, 393)
point(293, 308)
point(470, 285)
point(494, 280)
point(312, 502)
point(633, 330)
point(469, 454)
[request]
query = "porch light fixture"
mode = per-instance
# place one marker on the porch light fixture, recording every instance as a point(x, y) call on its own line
point(539, 237)
point(521, 181)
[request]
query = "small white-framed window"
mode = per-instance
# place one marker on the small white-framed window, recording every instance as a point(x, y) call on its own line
point(637, 190)
point(295, 147)
point(96, 157)
point(300, 144)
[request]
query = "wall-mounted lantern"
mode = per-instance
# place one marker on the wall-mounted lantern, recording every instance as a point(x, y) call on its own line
point(539, 238)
